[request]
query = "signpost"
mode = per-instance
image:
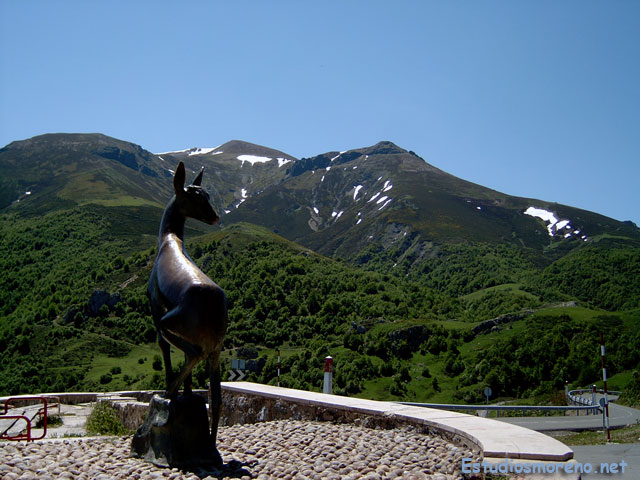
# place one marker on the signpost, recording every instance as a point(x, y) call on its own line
point(238, 368)
point(487, 393)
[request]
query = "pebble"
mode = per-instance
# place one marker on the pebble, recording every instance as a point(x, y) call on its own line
point(284, 449)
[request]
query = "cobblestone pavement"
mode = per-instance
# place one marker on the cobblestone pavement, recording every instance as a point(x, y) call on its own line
point(282, 449)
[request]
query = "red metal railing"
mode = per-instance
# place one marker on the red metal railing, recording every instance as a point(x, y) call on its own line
point(25, 436)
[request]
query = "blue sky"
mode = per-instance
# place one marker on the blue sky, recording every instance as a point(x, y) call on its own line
point(532, 98)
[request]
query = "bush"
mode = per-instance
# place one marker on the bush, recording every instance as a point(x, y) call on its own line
point(435, 385)
point(157, 363)
point(52, 421)
point(104, 420)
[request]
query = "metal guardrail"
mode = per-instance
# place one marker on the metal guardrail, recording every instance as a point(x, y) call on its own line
point(574, 398)
point(22, 416)
point(449, 406)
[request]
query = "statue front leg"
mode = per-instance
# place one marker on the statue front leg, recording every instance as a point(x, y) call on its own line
point(188, 380)
point(215, 397)
point(166, 356)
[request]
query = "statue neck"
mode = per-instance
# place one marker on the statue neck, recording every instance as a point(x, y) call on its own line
point(172, 221)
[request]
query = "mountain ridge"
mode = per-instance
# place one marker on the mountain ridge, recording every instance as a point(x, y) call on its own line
point(375, 188)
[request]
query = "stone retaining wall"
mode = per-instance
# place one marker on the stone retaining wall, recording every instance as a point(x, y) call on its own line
point(240, 408)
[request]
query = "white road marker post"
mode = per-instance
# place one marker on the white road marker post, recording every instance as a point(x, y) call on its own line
point(328, 375)
point(604, 378)
point(278, 367)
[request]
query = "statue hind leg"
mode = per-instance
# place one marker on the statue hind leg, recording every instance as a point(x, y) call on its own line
point(172, 389)
point(165, 348)
point(192, 353)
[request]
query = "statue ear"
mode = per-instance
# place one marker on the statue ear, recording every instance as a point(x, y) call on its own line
point(178, 179)
point(198, 180)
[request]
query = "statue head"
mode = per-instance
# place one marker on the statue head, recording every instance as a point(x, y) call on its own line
point(193, 201)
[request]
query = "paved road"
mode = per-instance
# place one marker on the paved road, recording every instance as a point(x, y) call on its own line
point(619, 416)
point(595, 455)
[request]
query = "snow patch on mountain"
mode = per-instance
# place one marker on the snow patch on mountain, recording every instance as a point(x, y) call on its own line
point(387, 202)
point(193, 151)
point(554, 226)
point(253, 159)
point(375, 195)
point(338, 156)
point(357, 189)
point(204, 151)
point(174, 151)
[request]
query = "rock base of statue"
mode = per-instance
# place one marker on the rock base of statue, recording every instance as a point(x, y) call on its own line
point(176, 434)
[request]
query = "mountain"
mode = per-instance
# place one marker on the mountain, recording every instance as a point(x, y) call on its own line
point(61, 170)
point(235, 170)
point(342, 203)
point(398, 269)
point(337, 203)
point(380, 207)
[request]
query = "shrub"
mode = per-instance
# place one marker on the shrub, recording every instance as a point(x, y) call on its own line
point(104, 420)
point(157, 363)
point(52, 421)
point(435, 385)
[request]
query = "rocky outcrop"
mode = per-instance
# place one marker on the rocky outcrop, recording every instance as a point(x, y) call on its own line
point(488, 325)
point(99, 298)
point(128, 159)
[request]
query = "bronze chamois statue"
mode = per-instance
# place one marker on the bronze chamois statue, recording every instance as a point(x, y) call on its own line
point(189, 310)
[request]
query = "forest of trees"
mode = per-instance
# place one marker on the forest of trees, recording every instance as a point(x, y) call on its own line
point(72, 289)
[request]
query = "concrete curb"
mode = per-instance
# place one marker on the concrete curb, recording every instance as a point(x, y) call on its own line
point(495, 439)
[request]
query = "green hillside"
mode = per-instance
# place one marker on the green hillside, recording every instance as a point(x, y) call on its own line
point(390, 336)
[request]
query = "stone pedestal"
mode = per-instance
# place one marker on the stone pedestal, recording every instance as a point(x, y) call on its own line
point(176, 434)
